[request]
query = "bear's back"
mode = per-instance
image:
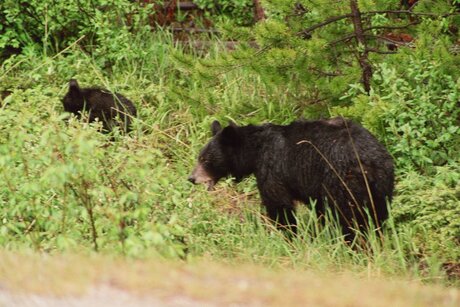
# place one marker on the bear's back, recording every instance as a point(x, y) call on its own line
point(318, 144)
point(102, 101)
point(322, 131)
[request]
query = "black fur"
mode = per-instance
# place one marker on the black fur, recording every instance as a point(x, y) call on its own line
point(304, 161)
point(111, 108)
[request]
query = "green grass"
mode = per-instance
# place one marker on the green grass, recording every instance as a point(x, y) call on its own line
point(66, 187)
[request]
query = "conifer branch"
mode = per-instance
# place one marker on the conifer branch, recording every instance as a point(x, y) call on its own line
point(307, 32)
point(408, 12)
point(324, 23)
point(383, 38)
point(390, 27)
point(353, 35)
point(342, 39)
point(380, 51)
point(325, 73)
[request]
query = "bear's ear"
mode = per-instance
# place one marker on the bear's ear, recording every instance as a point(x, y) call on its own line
point(230, 135)
point(215, 127)
point(74, 88)
point(73, 85)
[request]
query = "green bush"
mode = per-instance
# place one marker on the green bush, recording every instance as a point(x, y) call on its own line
point(430, 206)
point(417, 114)
point(65, 186)
point(52, 26)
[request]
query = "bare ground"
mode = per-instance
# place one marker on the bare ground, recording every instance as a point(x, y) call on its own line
point(70, 280)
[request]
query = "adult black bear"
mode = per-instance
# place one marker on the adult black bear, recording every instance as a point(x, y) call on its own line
point(333, 160)
point(111, 108)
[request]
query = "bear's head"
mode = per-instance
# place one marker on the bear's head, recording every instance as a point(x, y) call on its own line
point(216, 159)
point(73, 101)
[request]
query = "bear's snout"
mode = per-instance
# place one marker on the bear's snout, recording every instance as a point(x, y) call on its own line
point(200, 175)
point(191, 179)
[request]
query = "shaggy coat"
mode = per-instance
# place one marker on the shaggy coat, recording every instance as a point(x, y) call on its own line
point(111, 108)
point(333, 162)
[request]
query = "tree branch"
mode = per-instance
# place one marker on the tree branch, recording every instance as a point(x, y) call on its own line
point(325, 73)
point(324, 23)
point(307, 32)
point(352, 35)
point(409, 13)
point(383, 38)
point(343, 39)
point(390, 27)
point(380, 51)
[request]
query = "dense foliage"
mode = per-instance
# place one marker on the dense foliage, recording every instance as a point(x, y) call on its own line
point(54, 25)
point(240, 11)
point(64, 186)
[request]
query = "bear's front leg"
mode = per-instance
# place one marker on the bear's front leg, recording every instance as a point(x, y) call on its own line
point(278, 202)
point(283, 217)
point(281, 213)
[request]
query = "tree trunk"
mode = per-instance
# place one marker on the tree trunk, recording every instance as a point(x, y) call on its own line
point(258, 11)
point(363, 56)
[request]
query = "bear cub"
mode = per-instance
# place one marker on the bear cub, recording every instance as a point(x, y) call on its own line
point(334, 162)
point(112, 109)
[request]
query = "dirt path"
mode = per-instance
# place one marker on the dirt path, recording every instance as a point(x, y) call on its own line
point(70, 280)
point(99, 296)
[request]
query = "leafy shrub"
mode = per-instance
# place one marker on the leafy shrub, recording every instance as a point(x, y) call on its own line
point(417, 113)
point(67, 187)
point(55, 25)
point(430, 206)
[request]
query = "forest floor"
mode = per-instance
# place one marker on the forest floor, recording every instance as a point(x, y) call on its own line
point(95, 280)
